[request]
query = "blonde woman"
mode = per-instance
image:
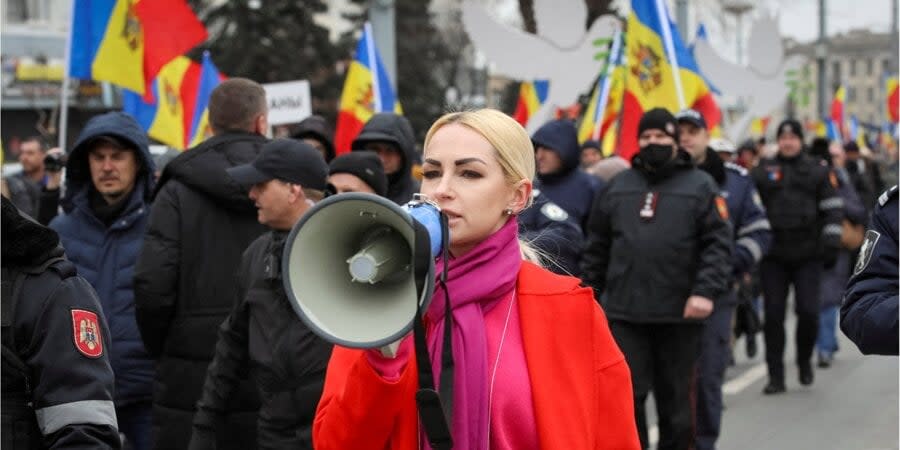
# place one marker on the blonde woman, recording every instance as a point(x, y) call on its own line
point(535, 363)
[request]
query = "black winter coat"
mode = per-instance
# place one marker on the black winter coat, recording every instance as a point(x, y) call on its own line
point(647, 267)
point(264, 335)
point(200, 223)
point(389, 127)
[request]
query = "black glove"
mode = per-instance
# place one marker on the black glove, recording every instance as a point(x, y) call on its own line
point(829, 257)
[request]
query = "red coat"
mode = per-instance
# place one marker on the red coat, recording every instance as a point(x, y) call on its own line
point(580, 381)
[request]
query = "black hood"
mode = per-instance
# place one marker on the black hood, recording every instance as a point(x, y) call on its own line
point(389, 127)
point(203, 168)
point(316, 127)
point(561, 137)
point(714, 166)
point(120, 126)
point(25, 242)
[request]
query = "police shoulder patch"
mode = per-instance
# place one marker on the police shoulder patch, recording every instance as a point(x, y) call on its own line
point(886, 195)
point(866, 251)
point(86, 333)
point(553, 212)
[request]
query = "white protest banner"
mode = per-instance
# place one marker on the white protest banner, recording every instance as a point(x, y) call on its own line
point(289, 102)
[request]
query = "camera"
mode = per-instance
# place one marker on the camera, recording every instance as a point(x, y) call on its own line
point(54, 162)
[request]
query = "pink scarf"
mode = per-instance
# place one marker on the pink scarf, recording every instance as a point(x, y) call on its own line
point(477, 281)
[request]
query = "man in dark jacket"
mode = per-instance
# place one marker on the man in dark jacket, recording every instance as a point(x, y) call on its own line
point(263, 334)
point(315, 131)
point(392, 138)
point(57, 381)
point(108, 185)
point(200, 224)
point(751, 238)
point(869, 315)
point(659, 252)
point(25, 187)
point(553, 232)
point(864, 176)
point(835, 279)
point(805, 212)
point(558, 174)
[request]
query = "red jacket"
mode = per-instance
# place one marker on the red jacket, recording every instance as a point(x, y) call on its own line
point(581, 384)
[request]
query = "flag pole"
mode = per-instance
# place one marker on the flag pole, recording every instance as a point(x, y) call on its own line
point(64, 90)
point(664, 23)
point(373, 66)
point(607, 83)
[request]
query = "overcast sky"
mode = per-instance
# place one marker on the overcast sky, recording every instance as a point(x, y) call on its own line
point(800, 19)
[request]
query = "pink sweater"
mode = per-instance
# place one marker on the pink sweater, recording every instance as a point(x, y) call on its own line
point(513, 423)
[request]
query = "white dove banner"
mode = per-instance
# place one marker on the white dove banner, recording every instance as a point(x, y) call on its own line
point(762, 83)
point(561, 53)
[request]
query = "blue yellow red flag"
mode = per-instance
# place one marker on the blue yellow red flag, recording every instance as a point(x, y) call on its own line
point(166, 118)
point(654, 51)
point(367, 90)
point(603, 108)
point(127, 42)
point(199, 126)
point(532, 95)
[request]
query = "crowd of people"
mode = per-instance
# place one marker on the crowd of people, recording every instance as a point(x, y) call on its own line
point(144, 303)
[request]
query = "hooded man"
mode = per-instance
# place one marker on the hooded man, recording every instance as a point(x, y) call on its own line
point(392, 138)
point(659, 253)
point(558, 176)
point(315, 131)
point(106, 211)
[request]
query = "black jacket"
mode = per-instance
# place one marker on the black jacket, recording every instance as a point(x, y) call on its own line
point(264, 335)
point(647, 267)
point(389, 127)
point(54, 327)
point(804, 208)
point(200, 223)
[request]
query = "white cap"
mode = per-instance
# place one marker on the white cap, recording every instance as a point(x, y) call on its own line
point(722, 145)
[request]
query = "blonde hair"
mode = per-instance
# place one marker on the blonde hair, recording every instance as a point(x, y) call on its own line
point(513, 150)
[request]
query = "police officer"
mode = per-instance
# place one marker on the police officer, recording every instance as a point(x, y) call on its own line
point(554, 233)
point(659, 244)
point(805, 211)
point(752, 237)
point(869, 313)
point(263, 334)
point(57, 381)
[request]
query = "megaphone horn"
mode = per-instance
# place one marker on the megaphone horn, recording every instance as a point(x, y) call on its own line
point(357, 267)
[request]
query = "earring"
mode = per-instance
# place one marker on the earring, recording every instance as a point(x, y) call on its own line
point(508, 211)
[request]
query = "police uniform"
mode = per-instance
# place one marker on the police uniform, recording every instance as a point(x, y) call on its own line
point(555, 233)
point(805, 213)
point(752, 238)
point(57, 384)
point(869, 313)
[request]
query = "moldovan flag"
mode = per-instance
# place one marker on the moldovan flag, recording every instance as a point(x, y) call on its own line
point(759, 125)
point(837, 107)
point(167, 118)
point(367, 90)
point(606, 101)
point(209, 79)
point(531, 96)
point(127, 42)
point(893, 99)
point(654, 49)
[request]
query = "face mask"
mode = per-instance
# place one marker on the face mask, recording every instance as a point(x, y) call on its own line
point(656, 155)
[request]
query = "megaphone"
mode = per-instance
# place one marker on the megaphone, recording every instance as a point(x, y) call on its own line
point(357, 267)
